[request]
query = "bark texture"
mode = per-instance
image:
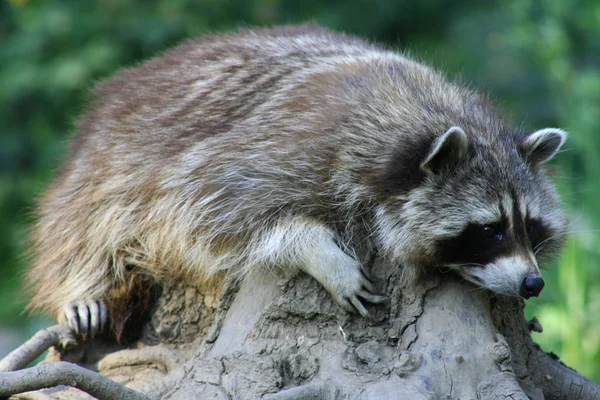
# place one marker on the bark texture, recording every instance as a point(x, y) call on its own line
point(280, 338)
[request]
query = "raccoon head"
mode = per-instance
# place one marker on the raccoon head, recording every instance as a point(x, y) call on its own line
point(481, 206)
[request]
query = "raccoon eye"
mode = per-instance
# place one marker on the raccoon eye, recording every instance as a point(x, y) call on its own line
point(490, 232)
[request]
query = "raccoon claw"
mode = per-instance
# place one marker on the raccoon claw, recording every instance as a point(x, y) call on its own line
point(372, 298)
point(354, 304)
point(86, 317)
point(358, 306)
point(70, 314)
point(368, 285)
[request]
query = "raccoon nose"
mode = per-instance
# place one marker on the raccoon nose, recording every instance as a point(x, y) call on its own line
point(531, 286)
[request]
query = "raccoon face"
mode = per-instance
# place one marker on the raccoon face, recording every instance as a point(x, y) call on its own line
point(500, 250)
point(488, 214)
point(500, 255)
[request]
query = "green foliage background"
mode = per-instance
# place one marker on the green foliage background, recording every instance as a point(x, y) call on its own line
point(539, 58)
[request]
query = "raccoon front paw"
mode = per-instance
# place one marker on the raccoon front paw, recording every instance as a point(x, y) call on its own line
point(347, 295)
point(86, 317)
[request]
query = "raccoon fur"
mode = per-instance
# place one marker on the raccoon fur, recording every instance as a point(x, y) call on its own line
point(291, 147)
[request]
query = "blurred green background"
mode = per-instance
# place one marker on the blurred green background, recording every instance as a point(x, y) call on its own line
point(540, 60)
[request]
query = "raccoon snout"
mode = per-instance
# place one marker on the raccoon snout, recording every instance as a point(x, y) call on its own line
point(531, 286)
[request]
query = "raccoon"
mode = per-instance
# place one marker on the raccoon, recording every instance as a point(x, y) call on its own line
point(292, 147)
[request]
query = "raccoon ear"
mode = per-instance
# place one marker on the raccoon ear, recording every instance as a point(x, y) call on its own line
point(542, 145)
point(446, 150)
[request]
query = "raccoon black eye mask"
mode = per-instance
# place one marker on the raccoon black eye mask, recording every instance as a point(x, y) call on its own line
point(480, 246)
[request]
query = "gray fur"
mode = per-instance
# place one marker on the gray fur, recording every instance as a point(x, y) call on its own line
point(292, 147)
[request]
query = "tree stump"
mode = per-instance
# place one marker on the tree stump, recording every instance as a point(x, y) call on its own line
point(282, 337)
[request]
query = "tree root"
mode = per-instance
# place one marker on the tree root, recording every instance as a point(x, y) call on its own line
point(167, 384)
point(157, 355)
point(64, 373)
point(323, 390)
point(56, 335)
point(559, 382)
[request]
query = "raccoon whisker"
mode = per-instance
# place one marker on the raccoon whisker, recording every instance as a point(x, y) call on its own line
point(543, 242)
point(472, 279)
point(476, 289)
point(458, 265)
point(582, 231)
point(538, 248)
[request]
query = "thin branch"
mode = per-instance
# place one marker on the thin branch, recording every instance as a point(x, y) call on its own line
point(65, 373)
point(30, 350)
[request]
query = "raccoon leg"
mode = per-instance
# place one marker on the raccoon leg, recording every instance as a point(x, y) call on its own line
point(311, 247)
point(86, 317)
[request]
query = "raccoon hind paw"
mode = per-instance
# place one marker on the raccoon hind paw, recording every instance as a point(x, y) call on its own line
point(86, 317)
